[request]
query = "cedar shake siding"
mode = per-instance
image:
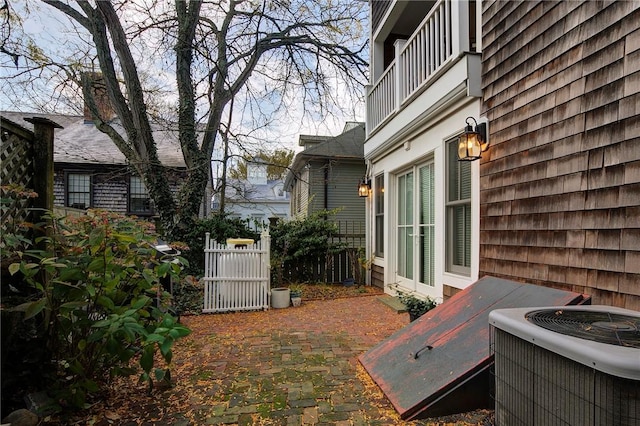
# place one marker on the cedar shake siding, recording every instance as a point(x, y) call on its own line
point(560, 184)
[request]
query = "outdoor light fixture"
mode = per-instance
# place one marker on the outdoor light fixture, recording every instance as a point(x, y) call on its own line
point(473, 142)
point(363, 187)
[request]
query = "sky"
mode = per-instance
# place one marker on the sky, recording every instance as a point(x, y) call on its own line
point(54, 32)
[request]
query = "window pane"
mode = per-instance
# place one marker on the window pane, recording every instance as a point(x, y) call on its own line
point(409, 200)
point(458, 212)
point(79, 190)
point(461, 255)
point(459, 173)
point(427, 224)
point(405, 225)
point(464, 174)
point(379, 213)
point(452, 166)
point(427, 257)
point(139, 200)
point(405, 252)
point(427, 208)
point(402, 195)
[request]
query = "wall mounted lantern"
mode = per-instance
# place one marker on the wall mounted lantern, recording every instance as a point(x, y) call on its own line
point(473, 142)
point(363, 187)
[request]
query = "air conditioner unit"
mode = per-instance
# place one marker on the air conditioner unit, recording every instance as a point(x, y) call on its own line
point(577, 365)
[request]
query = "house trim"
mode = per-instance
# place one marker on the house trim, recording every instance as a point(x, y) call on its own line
point(398, 129)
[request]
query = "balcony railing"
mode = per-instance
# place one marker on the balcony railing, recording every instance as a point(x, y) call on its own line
point(439, 39)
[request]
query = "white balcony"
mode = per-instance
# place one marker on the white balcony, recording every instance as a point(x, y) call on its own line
point(438, 44)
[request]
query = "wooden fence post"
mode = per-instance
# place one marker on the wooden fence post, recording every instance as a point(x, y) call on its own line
point(43, 131)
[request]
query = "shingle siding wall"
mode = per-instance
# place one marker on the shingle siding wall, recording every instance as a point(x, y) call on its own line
point(110, 189)
point(378, 10)
point(560, 185)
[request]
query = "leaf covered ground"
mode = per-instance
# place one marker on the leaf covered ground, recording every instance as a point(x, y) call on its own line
point(290, 366)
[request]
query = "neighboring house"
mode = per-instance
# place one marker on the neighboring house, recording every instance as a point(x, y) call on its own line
point(560, 184)
point(256, 198)
point(325, 175)
point(423, 214)
point(90, 172)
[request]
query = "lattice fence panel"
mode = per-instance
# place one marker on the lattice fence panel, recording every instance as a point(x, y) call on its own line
point(16, 171)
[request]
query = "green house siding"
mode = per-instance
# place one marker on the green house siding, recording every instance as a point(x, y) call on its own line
point(343, 191)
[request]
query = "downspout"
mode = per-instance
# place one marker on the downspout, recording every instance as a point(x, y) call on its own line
point(368, 218)
point(326, 186)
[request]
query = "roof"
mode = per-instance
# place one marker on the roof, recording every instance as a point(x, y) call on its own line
point(256, 192)
point(80, 142)
point(348, 145)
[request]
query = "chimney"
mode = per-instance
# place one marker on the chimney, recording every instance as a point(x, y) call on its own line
point(257, 171)
point(99, 91)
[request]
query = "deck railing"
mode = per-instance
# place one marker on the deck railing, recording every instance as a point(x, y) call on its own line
point(439, 39)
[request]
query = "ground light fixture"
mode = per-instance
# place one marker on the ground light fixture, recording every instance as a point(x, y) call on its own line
point(364, 187)
point(473, 142)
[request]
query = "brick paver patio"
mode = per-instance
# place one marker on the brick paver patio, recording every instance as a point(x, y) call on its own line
point(293, 366)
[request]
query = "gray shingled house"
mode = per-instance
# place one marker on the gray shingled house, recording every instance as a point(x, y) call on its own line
point(90, 172)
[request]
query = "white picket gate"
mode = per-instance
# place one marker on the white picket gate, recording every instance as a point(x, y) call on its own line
point(236, 279)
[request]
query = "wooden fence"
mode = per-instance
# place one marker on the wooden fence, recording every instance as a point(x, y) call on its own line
point(27, 164)
point(236, 279)
point(331, 268)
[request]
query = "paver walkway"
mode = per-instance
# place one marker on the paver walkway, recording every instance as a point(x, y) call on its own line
point(293, 366)
point(290, 366)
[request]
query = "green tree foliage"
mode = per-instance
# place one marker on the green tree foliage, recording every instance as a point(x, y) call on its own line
point(303, 242)
point(96, 301)
point(217, 73)
point(277, 162)
point(220, 227)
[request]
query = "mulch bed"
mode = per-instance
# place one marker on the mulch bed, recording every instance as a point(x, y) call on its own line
point(336, 291)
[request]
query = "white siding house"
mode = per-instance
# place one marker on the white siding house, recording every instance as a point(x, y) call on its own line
point(256, 199)
point(423, 211)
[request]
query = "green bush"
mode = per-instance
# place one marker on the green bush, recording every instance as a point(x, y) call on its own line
point(295, 242)
point(416, 306)
point(220, 227)
point(96, 300)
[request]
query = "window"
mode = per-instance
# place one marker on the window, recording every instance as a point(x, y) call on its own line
point(256, 221)
point(79, 190)
point(458, 212)
point(139, 200)
point(379, 215)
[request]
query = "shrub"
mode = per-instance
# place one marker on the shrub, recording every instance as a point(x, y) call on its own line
point(221, 227)
point(416, 306)
point(96, 301)
point(302, 243)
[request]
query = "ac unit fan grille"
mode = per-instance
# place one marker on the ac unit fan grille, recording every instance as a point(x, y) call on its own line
point(601, 327)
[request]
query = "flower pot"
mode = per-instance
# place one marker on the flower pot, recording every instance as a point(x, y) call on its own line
point(295, 301)
point(348, 282)
point(280, 297)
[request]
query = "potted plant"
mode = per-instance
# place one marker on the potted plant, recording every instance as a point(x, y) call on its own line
point(295, 290)
point(416, 306)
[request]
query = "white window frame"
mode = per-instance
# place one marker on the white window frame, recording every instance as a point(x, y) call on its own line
point(451, 204)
